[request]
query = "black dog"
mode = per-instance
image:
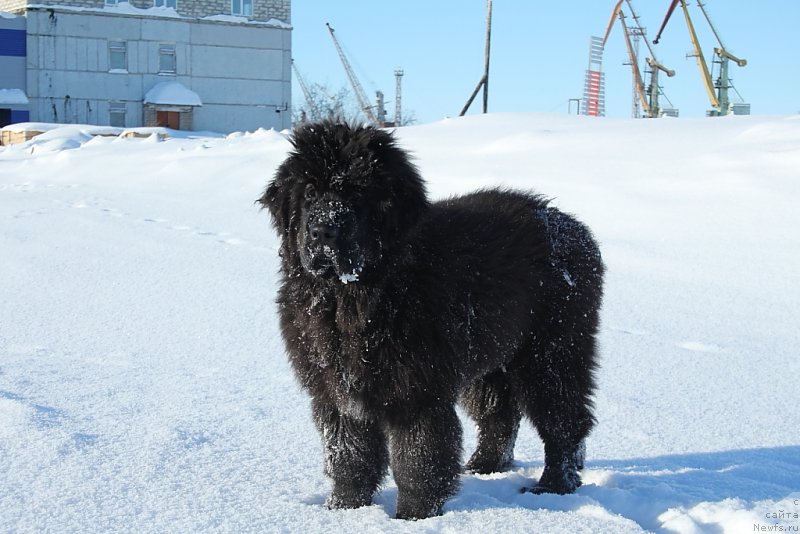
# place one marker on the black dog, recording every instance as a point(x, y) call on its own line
point(394, 308)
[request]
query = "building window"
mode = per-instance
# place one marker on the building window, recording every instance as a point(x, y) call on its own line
point(116, 114)
point(243, 8)
point(166, 3)
point(111, 2)
point(118, 55)
point(166, 59)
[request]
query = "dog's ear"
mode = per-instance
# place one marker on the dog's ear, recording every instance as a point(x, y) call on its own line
point(276, 200)
point(402, 182)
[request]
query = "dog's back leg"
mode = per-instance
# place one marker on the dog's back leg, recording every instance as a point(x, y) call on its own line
point(490, 403)
point(558, 401)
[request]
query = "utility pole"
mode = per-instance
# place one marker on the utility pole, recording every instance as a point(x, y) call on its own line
point(488, 50)
point(484, 81)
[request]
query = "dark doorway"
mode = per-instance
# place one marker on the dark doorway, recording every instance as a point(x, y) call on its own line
point(169, 119)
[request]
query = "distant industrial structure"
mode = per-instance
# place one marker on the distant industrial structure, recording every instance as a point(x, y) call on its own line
point(718, 90)
point(646, 89)
point(645, 99)
point(594, 86)
point(376, 114)
point(216, 65)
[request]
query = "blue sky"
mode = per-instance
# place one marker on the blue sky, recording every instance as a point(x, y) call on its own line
point(540, 52)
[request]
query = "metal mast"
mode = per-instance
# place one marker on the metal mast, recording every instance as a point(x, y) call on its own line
point(351, 75)
point(639, 98)
point(398, 105)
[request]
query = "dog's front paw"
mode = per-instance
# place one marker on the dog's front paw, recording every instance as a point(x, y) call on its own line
point(484, 465)
point(418, 507)
point(558, 481)
point(348, 498)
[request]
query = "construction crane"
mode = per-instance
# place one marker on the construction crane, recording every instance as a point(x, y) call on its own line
point(717, 92)
point(312, 105)
point(361, 96)
point(647, 97)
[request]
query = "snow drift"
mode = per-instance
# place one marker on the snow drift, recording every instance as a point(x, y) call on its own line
point(143, 385)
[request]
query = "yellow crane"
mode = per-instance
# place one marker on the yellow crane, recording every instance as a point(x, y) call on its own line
point(648, 98)
point(717, 93)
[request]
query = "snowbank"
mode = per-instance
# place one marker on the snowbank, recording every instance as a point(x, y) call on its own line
point(143, 385)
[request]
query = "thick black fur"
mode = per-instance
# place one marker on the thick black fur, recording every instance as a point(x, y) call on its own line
point(393, 309)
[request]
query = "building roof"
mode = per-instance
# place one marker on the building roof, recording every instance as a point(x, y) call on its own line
point(13, 97)
point(172, 94)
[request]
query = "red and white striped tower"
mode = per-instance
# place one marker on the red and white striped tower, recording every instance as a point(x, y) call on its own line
point(594, 89)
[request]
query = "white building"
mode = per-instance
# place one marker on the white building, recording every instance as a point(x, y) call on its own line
point(220, 65)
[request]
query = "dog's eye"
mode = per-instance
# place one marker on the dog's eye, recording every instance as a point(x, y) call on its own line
point(310, 192)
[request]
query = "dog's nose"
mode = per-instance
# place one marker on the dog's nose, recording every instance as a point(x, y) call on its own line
point(323, 233)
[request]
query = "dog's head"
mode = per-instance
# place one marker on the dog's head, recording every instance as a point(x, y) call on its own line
point(343, 200)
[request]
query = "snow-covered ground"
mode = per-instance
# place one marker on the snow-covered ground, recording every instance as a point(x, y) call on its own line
point(144, 388)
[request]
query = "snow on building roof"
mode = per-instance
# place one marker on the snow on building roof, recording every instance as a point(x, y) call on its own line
point(122, 8)
point(6, 15)
point(173, 94)
point(234, 19)
point(13, 97)
point(125, 8)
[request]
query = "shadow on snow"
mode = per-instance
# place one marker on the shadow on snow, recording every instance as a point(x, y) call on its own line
point(639, 489)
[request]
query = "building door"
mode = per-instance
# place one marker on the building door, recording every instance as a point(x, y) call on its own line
point(5, 117)
point(169, 119)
